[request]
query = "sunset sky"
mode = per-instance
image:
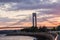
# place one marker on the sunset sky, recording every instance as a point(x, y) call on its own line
point(18, 13)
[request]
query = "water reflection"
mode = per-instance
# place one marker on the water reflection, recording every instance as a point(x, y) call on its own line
point(17, 38)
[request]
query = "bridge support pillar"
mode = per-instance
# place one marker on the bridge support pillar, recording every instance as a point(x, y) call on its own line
point(34, 18)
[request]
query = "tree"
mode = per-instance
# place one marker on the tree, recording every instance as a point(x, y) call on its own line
point(31, 29)
point(54, 29)
point(43, 29)
point(58, 28)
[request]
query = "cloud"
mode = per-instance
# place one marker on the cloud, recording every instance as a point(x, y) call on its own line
point(52, 11)
point(21, 15)
point(6, 19)
point(49, 7)
point(10, 1)
point(29, 4)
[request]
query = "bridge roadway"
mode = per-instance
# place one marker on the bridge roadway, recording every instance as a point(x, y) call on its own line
point(40, 35)
point(12, 27)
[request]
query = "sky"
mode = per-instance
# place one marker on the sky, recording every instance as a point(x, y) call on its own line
point(18, 13)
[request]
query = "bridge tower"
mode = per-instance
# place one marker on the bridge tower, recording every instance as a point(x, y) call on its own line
point(34, 19)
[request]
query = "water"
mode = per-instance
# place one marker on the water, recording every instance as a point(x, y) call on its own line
point(19, 38)
point(16, 38)
point(58, 37)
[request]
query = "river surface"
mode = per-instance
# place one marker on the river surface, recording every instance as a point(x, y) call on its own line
point(58, 37)
point(19, 38)
point(16, 38)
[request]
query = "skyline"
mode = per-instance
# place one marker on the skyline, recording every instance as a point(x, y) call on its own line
point(19, 12)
